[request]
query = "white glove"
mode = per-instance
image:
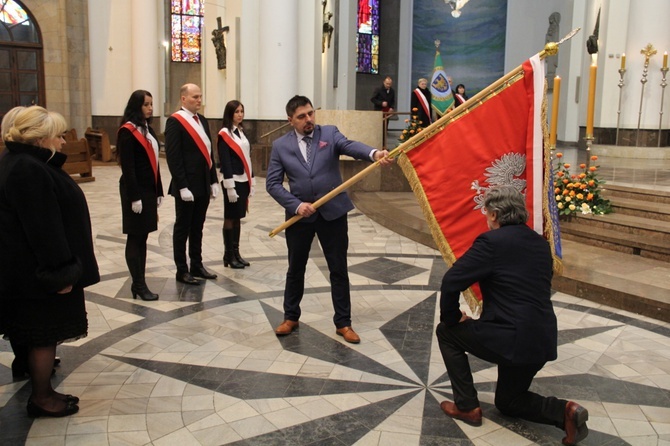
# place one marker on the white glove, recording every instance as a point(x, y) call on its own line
point(232, 195)
point(159, 201)
point(136, 206)
point(252, 191)
point(215, 190)
point(186, 194)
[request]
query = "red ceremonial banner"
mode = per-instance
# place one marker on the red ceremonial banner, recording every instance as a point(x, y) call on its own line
point(496, 141)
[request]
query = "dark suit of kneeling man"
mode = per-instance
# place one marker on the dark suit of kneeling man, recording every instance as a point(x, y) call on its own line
point(517, 329)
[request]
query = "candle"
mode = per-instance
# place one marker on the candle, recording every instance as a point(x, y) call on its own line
point(623, 61)
point(592, 101)
point(554, 111)
point(665, 60)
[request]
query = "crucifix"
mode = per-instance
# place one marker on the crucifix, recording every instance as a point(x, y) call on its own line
point(219, 40)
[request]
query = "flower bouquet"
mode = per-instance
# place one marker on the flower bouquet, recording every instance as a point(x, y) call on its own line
point(414, 126)
point(581, 192)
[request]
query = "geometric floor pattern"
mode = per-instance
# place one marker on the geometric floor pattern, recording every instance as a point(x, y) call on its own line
point(202, 365)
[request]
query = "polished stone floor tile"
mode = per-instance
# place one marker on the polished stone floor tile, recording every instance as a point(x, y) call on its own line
point(202, 365)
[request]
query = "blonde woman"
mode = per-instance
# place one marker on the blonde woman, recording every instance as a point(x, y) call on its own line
point(46, 252)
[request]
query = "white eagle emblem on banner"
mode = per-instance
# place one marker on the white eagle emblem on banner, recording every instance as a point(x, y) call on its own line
point(503, 172)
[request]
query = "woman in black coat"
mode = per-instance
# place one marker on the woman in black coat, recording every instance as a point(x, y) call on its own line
point(140, 186)
point(421, 101)
point(238, 180)
point(46, 252)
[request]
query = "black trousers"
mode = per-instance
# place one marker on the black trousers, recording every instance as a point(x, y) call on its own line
point(334, 239)
point(512, 396)
point(188, 224)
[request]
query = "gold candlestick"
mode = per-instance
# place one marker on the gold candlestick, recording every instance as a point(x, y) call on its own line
point(648, 51)
point(622, 71)
point(664, 84)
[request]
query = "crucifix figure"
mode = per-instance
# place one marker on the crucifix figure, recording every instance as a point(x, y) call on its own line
point(219, 40)
point(327, 27)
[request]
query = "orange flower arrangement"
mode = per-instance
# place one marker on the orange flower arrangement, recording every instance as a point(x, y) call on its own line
point(580, 194)
point(414, 126)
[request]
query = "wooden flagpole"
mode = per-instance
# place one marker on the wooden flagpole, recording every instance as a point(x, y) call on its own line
point(550, 49)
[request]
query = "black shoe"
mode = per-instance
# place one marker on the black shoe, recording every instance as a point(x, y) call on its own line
point(236, 247)
point(187, 278)
point(236, 252)
point(143, 291)
point(71, 399)
point(229, 260)
point(56, 361)
point(36, 411)
point(202, 273)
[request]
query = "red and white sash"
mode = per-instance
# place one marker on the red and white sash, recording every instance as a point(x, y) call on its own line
point(147, 144)
point(460, 97)
point(424, 103)
point(197, 132)
point(235, 147)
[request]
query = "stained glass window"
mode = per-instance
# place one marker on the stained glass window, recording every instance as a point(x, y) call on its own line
point(187, 22)
point(15, 24)
point(367, 37)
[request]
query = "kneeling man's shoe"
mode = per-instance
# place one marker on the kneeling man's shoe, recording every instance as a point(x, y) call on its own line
point(286, 327)
point(575, 423)
point(472, 417)
point(348, 334)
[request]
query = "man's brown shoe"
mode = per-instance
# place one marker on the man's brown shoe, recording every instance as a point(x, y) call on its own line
point(472, 417)
point(575, 423)
point(286, 327)
point(348, 334)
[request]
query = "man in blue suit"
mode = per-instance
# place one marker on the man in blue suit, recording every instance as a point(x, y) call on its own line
point(310, 157)
point(517, 329)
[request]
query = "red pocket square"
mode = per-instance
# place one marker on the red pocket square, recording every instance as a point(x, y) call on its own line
point(322, 144)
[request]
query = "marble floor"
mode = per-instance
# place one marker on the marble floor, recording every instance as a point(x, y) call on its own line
point(202, 365)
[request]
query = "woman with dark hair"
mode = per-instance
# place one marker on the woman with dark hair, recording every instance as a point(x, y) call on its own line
point(140, 186)
point(46, 253)
point(238, 180)
point(459, 95)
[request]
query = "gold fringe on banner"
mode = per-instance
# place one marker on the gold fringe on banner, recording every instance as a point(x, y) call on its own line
point(548, 186)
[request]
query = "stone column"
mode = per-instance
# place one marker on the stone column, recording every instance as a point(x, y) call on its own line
point(279, 56)
point(145, 48)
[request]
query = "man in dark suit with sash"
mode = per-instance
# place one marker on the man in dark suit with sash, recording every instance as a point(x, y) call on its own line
point(517, 329)
point(188, 147)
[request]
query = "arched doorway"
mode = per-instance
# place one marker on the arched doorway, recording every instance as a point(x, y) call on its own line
point(21, 58)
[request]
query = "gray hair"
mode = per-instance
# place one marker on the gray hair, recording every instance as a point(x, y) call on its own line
point(508, 203)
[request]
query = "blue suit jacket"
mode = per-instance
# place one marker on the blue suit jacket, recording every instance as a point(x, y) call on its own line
point(309, 183)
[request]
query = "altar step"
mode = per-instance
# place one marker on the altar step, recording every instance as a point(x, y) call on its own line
point(639, 225)
point(627, 281)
